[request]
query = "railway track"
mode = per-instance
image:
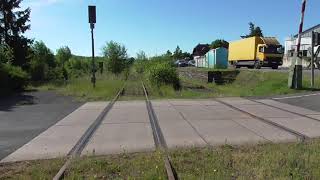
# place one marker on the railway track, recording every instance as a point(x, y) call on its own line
point(300, 136)
point(159, 140)
point(78, 148)
point(158, 137)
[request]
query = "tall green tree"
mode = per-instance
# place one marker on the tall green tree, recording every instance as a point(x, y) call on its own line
point(254, 31)
point(141, 56)
point(186, 55)
point(219, 43)
point(169, 53)
point(177, 53)
point(13, 24)
point(41, 62)
point(63, 55)
point(41, 52)
point(116, 55)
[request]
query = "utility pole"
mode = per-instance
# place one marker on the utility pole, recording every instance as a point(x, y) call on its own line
point(92, 21)
point(314, 54)
point(312, 59)
point(295, 78)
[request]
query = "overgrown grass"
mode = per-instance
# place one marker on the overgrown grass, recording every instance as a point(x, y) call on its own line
point(271, 161)
point(247, 83)
point(254, 83)
point(133, 90)
point(107, 86)
point(258, 83)
point(267, 161)
point(135, 166)
point(45, 169)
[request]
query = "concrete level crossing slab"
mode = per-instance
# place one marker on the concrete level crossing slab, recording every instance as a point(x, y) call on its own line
point(306, 126)
point(217, 112)
point(121, 138)
point(265, 111)
point(126, 128)
point(227, 120)
point(184, 123)
point(60, 138)
point(226, 132)
point(211, 122)
point(176, 131)
point(125, 113)
point(296, 122)
point(256, 108)
point(288, 107)
point(314, 116)
point(268, 132)
point(238, 101)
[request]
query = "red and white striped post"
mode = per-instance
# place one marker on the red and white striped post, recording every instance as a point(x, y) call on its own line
point(304, 2)
point(297, 79)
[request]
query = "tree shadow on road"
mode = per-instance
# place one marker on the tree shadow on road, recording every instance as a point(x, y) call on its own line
point(9, 102)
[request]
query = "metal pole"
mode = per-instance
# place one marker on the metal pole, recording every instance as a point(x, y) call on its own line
point(93, 62)
point(312, 59)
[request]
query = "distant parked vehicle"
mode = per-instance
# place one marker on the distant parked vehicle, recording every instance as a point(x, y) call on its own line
point(181, 63)
point(192, 63)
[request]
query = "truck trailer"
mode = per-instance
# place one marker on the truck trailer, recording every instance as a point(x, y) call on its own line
point(256, 52)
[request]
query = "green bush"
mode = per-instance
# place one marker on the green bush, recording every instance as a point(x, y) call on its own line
point(12, 78)
point(117, 57)
point(78, 66)
point(57, 74)
point(6, 54)
point(141, 66)
point(164, 74)
point(42, 62)
point(39, 70)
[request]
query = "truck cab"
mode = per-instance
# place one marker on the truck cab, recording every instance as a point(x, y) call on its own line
point(270, 55)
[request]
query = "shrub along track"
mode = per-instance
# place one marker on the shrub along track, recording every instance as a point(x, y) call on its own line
point(159, 140)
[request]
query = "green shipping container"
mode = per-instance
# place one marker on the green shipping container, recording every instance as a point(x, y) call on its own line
point(216, 58)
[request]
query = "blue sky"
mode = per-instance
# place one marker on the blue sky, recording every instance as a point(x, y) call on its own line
point(156, 26)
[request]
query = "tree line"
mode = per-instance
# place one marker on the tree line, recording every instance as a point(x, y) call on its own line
point(24, 60)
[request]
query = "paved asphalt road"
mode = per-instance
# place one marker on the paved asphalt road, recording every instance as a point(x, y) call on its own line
point(309, 102)
point(24, 116)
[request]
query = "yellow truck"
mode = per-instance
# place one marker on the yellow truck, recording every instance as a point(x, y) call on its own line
point(256, 52)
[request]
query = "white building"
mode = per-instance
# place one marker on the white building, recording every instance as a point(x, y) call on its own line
point(291, 45)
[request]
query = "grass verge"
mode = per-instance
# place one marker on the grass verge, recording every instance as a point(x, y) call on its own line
point(247, 83)
point(134, 166)
point(270, 161)
point(44, 169)
point(267, 161)
point(107, 86)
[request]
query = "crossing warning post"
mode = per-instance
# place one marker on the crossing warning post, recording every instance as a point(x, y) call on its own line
point(92, 21)
point(295, 74)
